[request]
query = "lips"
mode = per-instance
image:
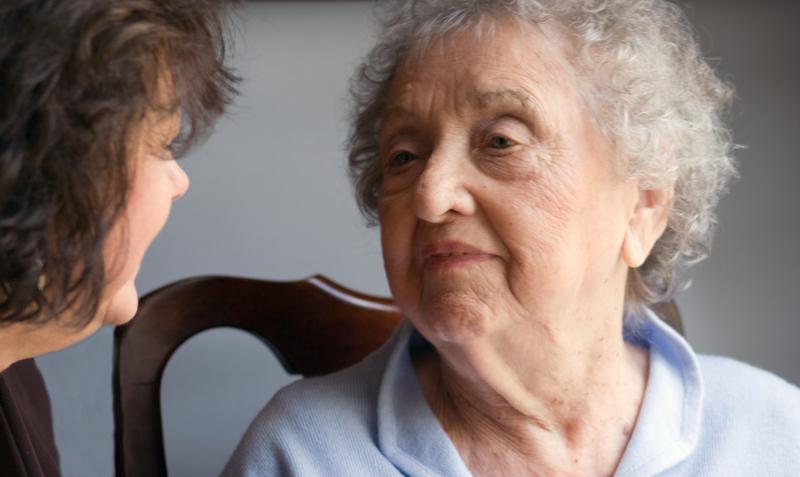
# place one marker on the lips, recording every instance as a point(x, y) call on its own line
point(451, 254)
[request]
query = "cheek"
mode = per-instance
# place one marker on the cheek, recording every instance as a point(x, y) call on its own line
point(605, 225)
point(397, 222)
point(128, 243)
point(539, 214)
point(149, 207)
point(538, 225)
point(145, 215)
point(146, 222)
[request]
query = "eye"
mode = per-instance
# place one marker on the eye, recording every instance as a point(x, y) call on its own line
point(163, 153)
point(401, 158)
point(501, 142)
point(174, 149)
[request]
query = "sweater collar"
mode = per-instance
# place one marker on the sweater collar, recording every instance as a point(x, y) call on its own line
point(409, 434)
point(668, 427)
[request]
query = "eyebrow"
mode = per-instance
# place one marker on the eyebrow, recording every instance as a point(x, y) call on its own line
point(499, 97)
point(393, 114)
point(513, 100)
point(482, 100)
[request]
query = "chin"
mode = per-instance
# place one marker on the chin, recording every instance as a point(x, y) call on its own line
point(452, 319)
point(123, 305)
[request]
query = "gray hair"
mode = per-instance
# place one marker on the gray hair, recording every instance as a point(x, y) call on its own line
point(653, 96)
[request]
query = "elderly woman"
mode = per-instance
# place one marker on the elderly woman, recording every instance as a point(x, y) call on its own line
point(540, 170)
point(91, 105)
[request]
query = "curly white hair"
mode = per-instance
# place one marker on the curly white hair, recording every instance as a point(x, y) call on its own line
point(653, 95)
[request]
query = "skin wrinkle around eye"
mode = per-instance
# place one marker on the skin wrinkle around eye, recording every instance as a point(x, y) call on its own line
point(514, 102)
point(524, 158)
point(163, 128)
point(401, 127)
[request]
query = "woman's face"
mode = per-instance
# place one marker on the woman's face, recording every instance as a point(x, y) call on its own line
point(157, 181)
point(498, 202)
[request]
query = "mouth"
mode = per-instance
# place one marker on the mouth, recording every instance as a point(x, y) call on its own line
point(447, 255)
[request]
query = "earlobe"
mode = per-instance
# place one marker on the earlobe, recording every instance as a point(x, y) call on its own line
point(646, 224)
point(632, 251)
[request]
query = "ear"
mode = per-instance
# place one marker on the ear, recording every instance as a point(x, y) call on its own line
point(646, 223)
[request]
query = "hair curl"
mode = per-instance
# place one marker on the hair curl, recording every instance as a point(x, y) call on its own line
point(641, 73)
point(77, 79)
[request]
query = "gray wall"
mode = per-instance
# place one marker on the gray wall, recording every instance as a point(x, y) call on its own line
point(270, 199)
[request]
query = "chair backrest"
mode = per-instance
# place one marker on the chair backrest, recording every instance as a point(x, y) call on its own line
point(313, 326)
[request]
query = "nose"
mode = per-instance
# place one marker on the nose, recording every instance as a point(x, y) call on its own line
point(180, 181)
point(443, 190)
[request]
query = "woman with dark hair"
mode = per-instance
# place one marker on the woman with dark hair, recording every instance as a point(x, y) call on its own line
point(97, 97)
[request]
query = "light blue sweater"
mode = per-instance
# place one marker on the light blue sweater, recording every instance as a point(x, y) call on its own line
point(701, 416)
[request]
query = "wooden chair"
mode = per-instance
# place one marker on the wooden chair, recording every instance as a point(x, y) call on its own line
point(313, 326)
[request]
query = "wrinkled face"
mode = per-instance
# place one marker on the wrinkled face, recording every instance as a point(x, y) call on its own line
point(498, 203)
point(157, 181)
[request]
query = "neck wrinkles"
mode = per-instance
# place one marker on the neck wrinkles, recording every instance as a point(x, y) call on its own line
point(567, 399)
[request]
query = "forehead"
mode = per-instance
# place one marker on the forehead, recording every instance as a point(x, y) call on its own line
point(474, 64)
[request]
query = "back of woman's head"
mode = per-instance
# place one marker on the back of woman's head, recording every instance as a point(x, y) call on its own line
point(76, 80)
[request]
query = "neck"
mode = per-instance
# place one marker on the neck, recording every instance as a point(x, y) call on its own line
point(568, 396)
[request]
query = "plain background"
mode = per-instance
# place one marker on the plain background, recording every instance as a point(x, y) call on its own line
point(270, 199)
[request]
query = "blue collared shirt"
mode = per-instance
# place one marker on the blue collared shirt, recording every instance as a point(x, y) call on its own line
point(701, 416)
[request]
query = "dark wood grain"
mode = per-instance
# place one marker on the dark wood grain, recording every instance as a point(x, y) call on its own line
point(314, 327)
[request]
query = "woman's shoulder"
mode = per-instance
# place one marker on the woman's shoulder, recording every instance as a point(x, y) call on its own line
point(734, 389)
point(346, 391)
point(308, 426)
point(26, 425)
point(727, 374)
point(351, 391)
point(749, 412)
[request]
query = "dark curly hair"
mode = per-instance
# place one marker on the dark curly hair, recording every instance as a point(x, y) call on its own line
point(76, 79)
